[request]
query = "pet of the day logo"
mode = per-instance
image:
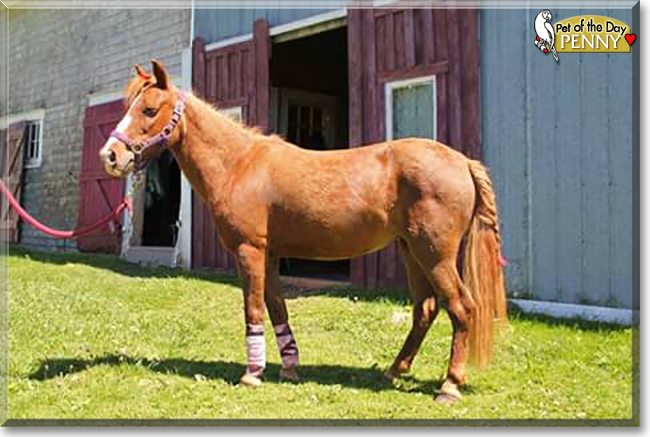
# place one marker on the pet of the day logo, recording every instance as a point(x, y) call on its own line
point(582, 34)
point(545, 40)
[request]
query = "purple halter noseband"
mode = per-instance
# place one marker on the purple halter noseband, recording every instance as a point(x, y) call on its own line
point(161, 139)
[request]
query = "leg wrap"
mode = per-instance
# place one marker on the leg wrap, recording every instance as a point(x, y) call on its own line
point(286, 345)
point(255, 349)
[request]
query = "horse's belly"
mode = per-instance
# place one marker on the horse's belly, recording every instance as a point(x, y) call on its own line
point(331, 238)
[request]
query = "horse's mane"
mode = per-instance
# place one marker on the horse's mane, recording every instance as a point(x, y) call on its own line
point(214, 111)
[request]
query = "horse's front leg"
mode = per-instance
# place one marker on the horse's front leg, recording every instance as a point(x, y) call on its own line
point(280, 318)
point(252, 265)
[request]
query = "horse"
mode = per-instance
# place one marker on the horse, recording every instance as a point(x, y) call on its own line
point(271, 199)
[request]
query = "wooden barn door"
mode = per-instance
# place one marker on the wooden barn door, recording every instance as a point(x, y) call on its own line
point(99, 193)
point(232, 77)
point(12, 176)
point(391, 45)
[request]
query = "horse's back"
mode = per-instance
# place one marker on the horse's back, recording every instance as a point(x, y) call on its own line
point(344, 203)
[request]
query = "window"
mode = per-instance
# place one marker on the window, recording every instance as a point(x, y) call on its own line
point(308, 119)
point(32, 148)
point(305, 126)
point(233, 112)
point(411, 108)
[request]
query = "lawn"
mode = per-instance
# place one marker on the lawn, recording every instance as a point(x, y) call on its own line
point(95, 337)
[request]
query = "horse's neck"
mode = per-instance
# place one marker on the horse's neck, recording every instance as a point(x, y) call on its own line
point(211, 147)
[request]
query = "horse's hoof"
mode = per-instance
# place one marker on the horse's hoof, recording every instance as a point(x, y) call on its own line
point(395, 371)
point(289, 375)
point(447, 399)
point(390, 375)
point(449, 394)
point(250, 380)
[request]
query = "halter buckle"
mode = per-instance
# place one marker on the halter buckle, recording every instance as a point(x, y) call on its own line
point(137, 148)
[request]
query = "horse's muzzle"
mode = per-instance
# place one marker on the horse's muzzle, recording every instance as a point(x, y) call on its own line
point(117, 159)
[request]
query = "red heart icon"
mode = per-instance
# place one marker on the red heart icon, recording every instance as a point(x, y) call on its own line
point(630, 38)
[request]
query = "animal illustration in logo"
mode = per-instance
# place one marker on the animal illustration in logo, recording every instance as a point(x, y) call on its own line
point(545, 40)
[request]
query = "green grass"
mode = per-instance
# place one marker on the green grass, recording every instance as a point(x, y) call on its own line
point(94, 337)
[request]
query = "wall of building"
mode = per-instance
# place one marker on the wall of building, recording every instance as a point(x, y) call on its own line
point(558, 139)
point(56, 59)
point(219, 24)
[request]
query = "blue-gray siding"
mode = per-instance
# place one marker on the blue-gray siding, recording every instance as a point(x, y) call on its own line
point(558, 139)
point(219, 24)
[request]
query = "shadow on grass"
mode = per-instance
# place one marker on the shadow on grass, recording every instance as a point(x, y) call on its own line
point(230, 372)
point(120, 266)
point(350, 292)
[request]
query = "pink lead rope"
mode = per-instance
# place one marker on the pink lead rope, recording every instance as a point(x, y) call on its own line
point(125, 204)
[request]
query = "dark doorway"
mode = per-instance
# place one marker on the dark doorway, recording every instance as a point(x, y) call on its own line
point(162, 202)
point(309, 80)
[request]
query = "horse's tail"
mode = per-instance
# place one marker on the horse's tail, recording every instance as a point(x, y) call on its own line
point(483, 268)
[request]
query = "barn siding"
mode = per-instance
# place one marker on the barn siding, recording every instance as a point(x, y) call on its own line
point(233, 76)
point(558, 139)
point(219, 24)
point(392, 44)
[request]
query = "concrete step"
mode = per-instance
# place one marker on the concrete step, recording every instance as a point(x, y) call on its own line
point(151, 256)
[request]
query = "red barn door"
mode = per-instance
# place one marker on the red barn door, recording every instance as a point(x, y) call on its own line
point(99, 192)
point(235, 76)
point(390, 45)
point(12, 175)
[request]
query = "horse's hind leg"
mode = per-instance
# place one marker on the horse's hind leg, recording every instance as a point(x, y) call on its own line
point(425, 310)
point(443, 275)
point(460, 306)
point(279, 315)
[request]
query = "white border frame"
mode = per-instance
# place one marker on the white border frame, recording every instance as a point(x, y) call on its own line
point(388, 90)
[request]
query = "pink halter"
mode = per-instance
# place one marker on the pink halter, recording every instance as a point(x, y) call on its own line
point(161, 139)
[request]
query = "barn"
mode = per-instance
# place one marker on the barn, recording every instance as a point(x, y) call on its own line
point(559, 139)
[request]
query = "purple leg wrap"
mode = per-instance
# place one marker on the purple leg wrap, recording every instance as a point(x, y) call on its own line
point(255, 350)
point(286, 345)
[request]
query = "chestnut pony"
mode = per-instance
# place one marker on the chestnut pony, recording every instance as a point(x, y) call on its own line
point(271, 199)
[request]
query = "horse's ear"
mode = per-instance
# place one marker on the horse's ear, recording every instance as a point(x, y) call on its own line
point(141, 72)
point(159, 72)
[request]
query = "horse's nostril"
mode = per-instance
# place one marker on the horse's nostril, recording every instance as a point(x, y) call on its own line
point(112, 157)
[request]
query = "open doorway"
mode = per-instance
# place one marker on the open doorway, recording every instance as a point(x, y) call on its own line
point(155, 228)
point(162, 202)
point(309, 80)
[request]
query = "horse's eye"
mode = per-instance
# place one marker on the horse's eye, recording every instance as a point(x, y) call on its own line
point(150, 112)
